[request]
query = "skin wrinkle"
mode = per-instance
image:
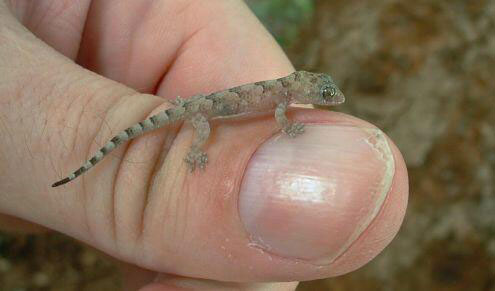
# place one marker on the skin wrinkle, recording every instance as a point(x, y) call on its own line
point(113, 202)
point(27, 143)
point(76, 130)
point(52, 104)
point(163, 160)
point(159, 161)
point(181, 201)
point(125, 146)
point(140, 229)
point(29, 137)
point(83, 184)
point(5, 126)
point(177, 219)
point(168, 205)
point(186, 201)
point(56, 108)
point(42, 99)
point(85, 205)
point(79, 124)
point(149, 221)
point(64, 122)
point(45, 125)
point(122, 160)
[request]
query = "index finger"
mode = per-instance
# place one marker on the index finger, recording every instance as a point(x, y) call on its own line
point(179, 48)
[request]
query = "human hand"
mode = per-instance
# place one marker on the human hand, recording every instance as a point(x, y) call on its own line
point(265, 209)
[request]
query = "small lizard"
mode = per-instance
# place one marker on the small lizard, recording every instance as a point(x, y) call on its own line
point(265, 96)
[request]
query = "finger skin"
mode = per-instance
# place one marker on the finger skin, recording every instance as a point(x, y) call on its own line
point(143, 207)
point(209, 200)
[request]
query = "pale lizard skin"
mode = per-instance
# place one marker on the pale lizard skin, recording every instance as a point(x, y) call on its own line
point(265, 96)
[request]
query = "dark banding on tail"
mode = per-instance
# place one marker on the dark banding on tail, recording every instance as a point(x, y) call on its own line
point(136, 130)
point(61, 182)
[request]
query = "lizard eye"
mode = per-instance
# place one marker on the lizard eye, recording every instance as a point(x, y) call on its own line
point(328, 92)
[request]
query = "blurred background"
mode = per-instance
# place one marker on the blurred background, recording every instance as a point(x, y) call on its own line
point(424, 72)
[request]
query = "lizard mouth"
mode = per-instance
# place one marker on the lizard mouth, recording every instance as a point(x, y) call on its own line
point(335, 100)
point(339, 99)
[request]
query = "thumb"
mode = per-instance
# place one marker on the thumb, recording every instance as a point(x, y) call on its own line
point(265, 209)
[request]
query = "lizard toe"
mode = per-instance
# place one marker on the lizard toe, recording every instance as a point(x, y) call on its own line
point(196, 159)
point(294, 129)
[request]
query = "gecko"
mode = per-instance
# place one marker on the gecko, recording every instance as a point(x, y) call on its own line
point(276, 95)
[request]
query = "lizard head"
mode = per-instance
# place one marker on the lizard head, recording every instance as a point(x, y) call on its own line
point(316, 88)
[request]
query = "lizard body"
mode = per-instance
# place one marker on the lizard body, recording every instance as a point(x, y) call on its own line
point(265, 96)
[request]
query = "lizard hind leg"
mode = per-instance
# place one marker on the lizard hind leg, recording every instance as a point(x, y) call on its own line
point(196, 156)
point(292, 129)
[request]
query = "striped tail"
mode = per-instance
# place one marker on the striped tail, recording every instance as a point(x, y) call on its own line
point(154, 122)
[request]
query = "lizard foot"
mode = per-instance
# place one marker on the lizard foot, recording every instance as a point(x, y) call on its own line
point(196, 158)
point(294, 129)
point(179, 102)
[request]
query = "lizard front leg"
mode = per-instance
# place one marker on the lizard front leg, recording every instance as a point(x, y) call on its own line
point(196, 156)
point(291, 129)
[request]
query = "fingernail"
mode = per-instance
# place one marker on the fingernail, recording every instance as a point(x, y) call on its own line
point(312, 196)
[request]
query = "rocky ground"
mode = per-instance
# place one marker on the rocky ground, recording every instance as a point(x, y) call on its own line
point(423, 72)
